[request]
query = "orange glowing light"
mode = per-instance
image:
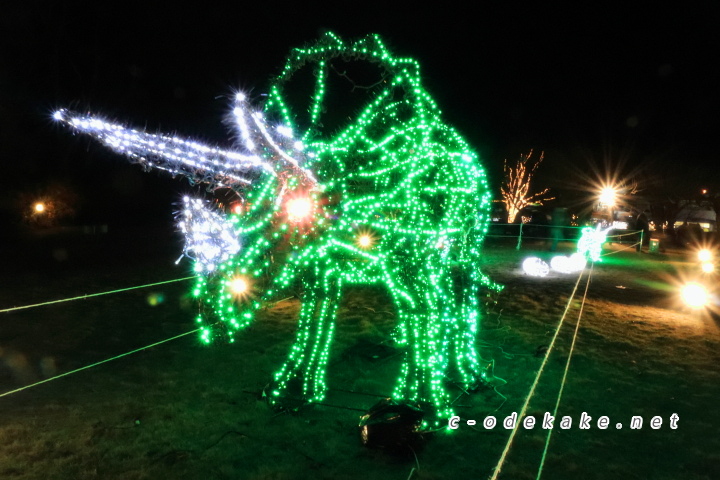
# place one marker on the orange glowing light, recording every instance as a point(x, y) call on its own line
point(39, 207)
point(695, 295)
point(364, 241)
point(298, 209)
point(239, 286)
point(705, 255)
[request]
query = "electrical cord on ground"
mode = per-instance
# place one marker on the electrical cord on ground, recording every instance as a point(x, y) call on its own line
point(564, 377)
point(503, 456)
point(82, 297)
point(96, 363)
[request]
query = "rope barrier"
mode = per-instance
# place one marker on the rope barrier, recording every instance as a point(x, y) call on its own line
point(501, 461)
point(95, 364)
point(564, 377)
point(81, 297)
point(625, 234)
point(634, 245)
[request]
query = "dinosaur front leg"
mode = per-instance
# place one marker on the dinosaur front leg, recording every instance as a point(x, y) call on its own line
point(302, 377)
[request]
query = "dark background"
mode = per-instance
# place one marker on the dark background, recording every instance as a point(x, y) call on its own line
point(629, 90)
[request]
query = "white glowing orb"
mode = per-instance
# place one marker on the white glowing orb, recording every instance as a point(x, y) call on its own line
point(535, 267)
point(559, 263)
point(577, 261)
point(239, 286)
point(705, 255)
point(298, 209)
point(39, 207)
point(365, 241)
point(573, 263)
point(708, 267)
point(695, 295)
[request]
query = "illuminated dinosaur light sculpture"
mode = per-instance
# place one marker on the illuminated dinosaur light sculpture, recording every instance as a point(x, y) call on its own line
point(395, 197)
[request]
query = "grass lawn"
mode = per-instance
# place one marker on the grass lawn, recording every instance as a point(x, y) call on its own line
point(181, 410)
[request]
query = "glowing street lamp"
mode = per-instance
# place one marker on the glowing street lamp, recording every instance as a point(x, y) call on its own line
point(39, 207)
point(705, 255)
point(608, 196)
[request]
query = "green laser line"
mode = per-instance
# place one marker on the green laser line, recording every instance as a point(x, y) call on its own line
point(567, 367)
point(95, 364)
point(500, 463)
point(94, 294)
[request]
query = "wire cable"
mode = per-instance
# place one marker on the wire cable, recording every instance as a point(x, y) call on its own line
point(81, 297)
point(95, 364)
point(501, 461)
point(564, 377)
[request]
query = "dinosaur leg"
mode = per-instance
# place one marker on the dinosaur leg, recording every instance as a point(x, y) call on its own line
point(302, 377)
point(467, 361)
point(420, 309)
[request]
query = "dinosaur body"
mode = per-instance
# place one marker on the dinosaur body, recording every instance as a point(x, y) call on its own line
point(395, 198)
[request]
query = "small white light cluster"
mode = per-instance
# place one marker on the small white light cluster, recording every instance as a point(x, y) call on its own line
point(706, 260)
point(210, 239)
point(573, 263)
point(536, 267)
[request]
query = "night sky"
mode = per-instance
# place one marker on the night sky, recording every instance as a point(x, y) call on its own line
point(635, 88)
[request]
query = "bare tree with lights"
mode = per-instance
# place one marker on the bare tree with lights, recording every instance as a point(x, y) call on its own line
point(516, 185)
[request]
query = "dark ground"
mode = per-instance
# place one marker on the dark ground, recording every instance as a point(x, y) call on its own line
point(181, 410)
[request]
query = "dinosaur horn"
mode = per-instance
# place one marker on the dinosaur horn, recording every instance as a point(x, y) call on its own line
point(199, 163)
point(273, 143)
